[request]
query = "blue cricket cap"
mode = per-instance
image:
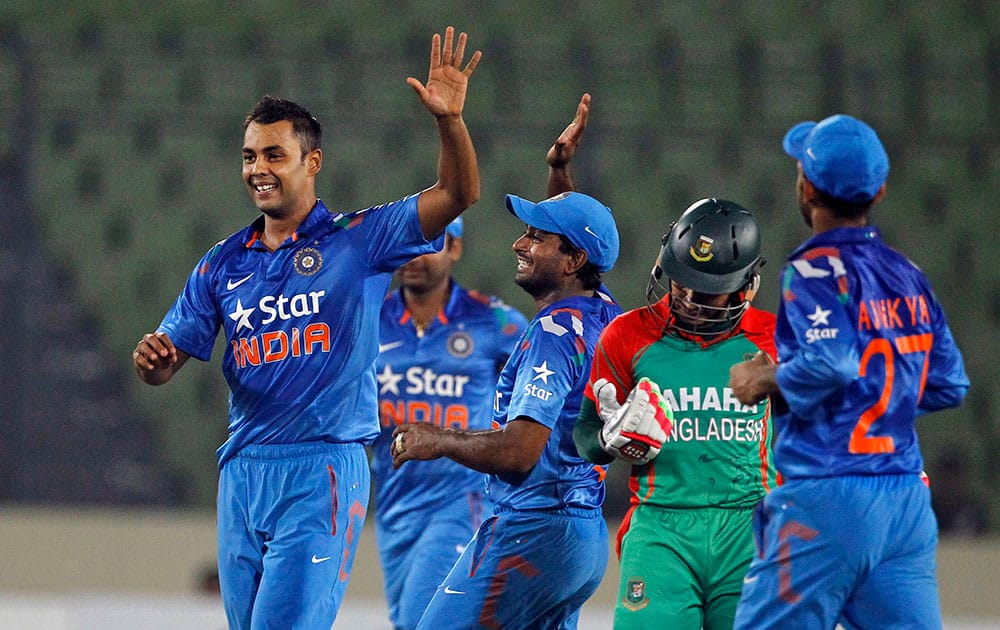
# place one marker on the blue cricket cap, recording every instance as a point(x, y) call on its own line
point(585, 221)
point(455, 227)
point(841, 156)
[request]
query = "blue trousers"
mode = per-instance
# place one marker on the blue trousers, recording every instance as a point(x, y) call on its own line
point(859, 550)
point(523, 570)
point(289, 520)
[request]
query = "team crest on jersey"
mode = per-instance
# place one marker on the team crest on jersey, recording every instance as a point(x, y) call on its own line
point(702, 250)
point(460, 344)
point(308, 261)
point(635, 594)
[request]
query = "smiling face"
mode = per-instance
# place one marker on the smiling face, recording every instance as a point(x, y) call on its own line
point(280, 179)
point(543, 268)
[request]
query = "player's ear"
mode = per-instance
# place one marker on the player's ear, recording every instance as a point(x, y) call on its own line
point(454, 247)
point(879, 194)
point(314, 161)
point(575, 261)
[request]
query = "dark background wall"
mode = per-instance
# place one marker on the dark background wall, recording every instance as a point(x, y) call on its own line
point(119, 166)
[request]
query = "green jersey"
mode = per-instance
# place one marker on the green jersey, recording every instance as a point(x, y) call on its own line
point(718, 453)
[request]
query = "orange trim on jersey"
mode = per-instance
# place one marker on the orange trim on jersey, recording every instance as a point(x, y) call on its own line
point(407, 316)
point(253, 239)
point(820, 251)
point(601, 473)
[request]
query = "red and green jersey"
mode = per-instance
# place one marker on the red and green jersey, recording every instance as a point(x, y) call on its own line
point(718, 453)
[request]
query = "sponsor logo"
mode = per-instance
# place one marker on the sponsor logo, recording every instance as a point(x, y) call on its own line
point(385, 347)
point(702, 250)
point(308, 261)
point(277, 345)
point(316, 560)
point(450, 591)
point(587, 229)
point(705, 399)
point(460, 344)
point(820, 317)
point(242, 316)
point(815, 334)
point(542, 372)
point(230, 285)
point(420, 380)
point(537, 392)
point(750, 580)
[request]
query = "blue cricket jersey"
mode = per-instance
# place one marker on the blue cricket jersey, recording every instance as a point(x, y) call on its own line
point(863, 349)
point(301, 322)
point(544, 380)
point(447, 377)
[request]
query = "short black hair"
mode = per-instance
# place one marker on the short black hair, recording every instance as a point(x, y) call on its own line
point(588, 274)
point(271, 109)
point(842, 208)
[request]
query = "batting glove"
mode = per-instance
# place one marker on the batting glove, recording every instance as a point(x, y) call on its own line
point(636, 430)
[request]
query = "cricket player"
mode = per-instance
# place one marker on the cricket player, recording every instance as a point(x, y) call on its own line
point(543, 551)
point(441, 348)
point(686, 541)
point(297, 295)
point(864, 349)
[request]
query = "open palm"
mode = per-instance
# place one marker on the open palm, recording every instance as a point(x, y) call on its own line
point(444, 94)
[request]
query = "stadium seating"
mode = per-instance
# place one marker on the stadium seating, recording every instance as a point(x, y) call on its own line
point(132, 167)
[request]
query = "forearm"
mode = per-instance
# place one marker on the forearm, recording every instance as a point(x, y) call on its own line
point(560, 180)
point(457, 187)
point(458, 168)
point(491, 452)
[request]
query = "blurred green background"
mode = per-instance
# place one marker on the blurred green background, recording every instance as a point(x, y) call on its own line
point(120, 132)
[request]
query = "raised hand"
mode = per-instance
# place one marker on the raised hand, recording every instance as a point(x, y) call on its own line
point(444, 93)
point(561, 153)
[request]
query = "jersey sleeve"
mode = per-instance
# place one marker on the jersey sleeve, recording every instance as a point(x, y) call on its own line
point(546, 378)
point(824, 356)
point(947, 382)
point(193, 322)
point(393, 234)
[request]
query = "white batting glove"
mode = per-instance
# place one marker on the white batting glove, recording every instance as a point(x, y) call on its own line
point(636, 430)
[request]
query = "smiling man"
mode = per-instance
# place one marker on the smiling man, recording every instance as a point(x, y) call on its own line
point(441, 349)
point(297, 295)
point(543, 552)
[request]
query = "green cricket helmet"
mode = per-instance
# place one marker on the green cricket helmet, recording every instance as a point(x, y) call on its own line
point(712, 249)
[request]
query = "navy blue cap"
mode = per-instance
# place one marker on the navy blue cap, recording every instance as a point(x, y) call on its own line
point(841, 156)
point(585, 221)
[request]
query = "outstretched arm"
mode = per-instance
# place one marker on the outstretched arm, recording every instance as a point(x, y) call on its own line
point(457, 187)
point(513, 450)
point(561, 153)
